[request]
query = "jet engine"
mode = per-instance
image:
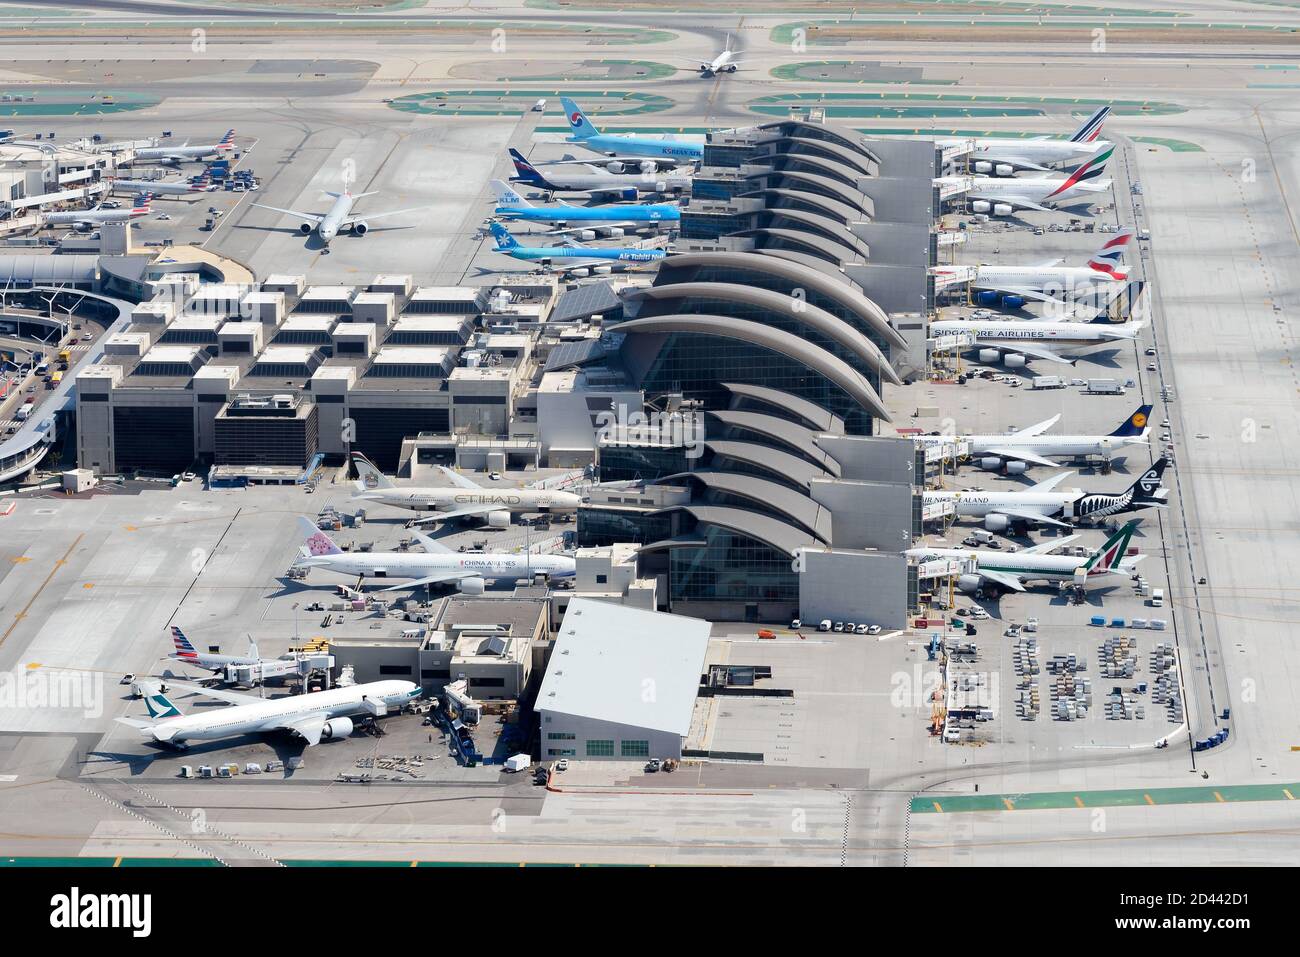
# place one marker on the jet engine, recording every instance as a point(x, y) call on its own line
point(1004, 169)
point(990, 463)
point(1013, 302)
point(989, 356)
point(996, 523)
point(968, 584)
point(601, 270)
point(498, 519)
point(731, 68)
point(1002, 209)
point(306, 228)
point(649, 166)
point(360, 228)
point(616, 232)
point(336, 729)
point(472, 586)
point(614, 166)
point(582, 272)
point(1016, 468)
point(980, 206)
point(983, 166)
point(586, 235)
point(1014, 361)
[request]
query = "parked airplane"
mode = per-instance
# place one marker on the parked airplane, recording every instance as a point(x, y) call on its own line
point(160, 187)
point(575, 259)
point(338, 218)
point(1002, 197)
point(1002, 156)
point(437, 565)
point(596, 181)
point(1048, 281)
point(604, 220)
point(466, 500)
point(1043, 504)
point(186, 153)
point(587, 136)
point(1015, 343)
point(321, 715)
point(1016, 451)
point(1010, 571)
point(187, 654)
point(89, 218)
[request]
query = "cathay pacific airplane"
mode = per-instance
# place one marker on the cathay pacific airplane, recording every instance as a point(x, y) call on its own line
point(587, 136)
point(603, 220)
point(575, 258)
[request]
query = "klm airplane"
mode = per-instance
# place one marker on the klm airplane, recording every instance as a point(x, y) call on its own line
point(586, 135)
point(575, 259)
point(603, 220)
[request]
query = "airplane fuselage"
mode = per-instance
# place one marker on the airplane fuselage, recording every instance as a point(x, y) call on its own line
point(644, 213)
point(450, 499)
point(1058, 337)
point(414, 565)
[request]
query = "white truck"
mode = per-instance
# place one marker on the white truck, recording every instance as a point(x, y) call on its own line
point(1047, 382)
point(518, 762)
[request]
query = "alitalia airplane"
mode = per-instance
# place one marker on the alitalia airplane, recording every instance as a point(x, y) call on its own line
point(585, 134)
point(1044, 504)
point(1049, 281)
point(1011, 571)
point(1016, 451)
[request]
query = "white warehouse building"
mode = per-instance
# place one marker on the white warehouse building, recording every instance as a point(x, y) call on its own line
point(621, 683)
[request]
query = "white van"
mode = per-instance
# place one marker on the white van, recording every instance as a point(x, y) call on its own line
point(1157, 598)
point(825, 625)
point(981, 535)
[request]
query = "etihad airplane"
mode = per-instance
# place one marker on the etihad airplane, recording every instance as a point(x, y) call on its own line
point(466, 500)
point(437, 565)
point(1016, 451)
point(1047, 281)
point(339, 218)
point(588, 137)
point(1003, 156)
point(999, 572)
point(1002, 197)
point(186, 153)
point(1043, 504)
point(319, 716)
point(89, 218)
point(602, 220)
point(596, 181)
point(575, 259)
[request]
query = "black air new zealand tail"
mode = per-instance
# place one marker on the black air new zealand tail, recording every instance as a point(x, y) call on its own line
point(1144, 493)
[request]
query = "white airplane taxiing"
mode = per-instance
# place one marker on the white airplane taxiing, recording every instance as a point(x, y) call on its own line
point(437, 565)
point(321, 715)
point(467, 499)
point(338, 218)
point(1016, 451)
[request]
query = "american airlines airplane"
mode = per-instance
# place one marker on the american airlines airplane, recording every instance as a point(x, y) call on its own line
point(321, 715)
point(1043, 504)
point(466, 500)
point(339, 217)
point(89, 218)
point(1002, 197)
point(1016, 451)
point(1002, 571)
point(186, 153)
point(436, 565)
point(160, 187)
point(1050, 281)
point(1003, 156)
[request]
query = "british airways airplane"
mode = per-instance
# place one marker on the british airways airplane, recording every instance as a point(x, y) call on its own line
point(605, 220)
point(587, 136)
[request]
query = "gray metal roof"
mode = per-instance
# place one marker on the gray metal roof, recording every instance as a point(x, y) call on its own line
point(569, 354)
point(596, 298)
point(843, 212)
point(795, 505)
point(835, 169)
point(783, 464)
point(780, 535)
point(800, 350)
point(48, 270)
point(818, 418)
point(833, 251)
point(847, 194)
point(606, 655)
point(790, 433)
point(861, 160)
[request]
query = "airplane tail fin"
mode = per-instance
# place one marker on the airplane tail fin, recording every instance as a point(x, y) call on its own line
point(1111, 555)
point(1109, 258)
point(160, 706)
point(1147, 488)
point(370, 476)
point(318, 543)
point(1135, 424)
point(143, 203)
point(227, 141)
point(184, 647)
point(252, 648)
point(503, 237)
point(525, 170)
point(581, 127)
point(1123, 306)
point(1088, 172)
point(507, 195)
point(1091, 128)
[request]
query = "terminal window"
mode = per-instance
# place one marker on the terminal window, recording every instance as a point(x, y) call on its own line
point(561, 753)
point(560, 736)
point(600, 749)
point(636, 749)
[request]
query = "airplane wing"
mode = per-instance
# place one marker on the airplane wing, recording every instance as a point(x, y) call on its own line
point(1005, 579)
point(1040, 427)
point(1048, 485)
point(234, 697)
point(1051, 544)
point(458, 513)
point(595, 226)
point(1021, 456)
point(1023, 292)
point(310, 727)
point(463, 481)
point(314, 217)
point(366, 217)
point(1019, 162)
point(1029, 515)
point(435, 579)
point(1049, 263)
point(1037, 352)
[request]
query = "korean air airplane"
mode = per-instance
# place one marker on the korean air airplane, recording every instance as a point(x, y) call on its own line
point(587, 136)
point(575, 258)
point(602, 220)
